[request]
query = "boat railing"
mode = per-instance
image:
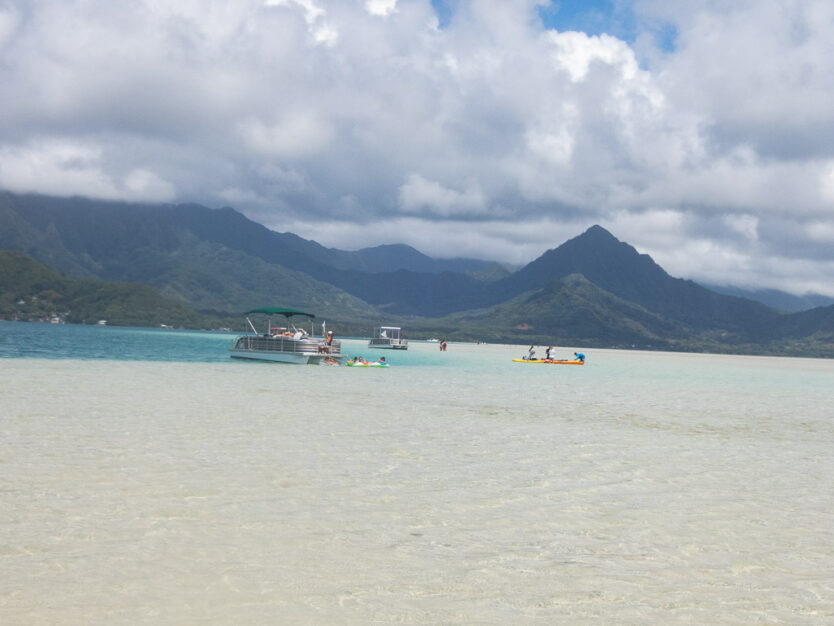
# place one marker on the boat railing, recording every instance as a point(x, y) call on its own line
point(387, 341)
point(261, 343)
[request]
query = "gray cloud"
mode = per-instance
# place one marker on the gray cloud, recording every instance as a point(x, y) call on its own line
point(360, 123)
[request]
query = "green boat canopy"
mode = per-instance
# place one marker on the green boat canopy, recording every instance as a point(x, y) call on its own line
point(271, 310)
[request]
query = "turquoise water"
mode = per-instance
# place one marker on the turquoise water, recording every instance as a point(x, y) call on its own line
point(70, 341)
point(148, 478)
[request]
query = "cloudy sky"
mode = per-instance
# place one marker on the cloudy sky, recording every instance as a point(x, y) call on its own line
point(699, 131)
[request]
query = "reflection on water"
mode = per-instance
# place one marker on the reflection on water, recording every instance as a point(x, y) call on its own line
point(450, 488)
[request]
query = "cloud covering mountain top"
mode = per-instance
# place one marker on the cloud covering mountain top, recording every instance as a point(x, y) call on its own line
point(487, 132)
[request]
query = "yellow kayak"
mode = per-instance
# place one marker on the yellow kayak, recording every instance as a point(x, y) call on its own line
point(549, 362)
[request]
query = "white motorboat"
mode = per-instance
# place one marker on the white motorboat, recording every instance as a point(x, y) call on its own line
point(388, 338)
point(289, 344)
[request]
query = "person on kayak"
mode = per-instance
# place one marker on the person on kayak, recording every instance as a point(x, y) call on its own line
point(547, 353)
point(531, 353)
point(579, 356)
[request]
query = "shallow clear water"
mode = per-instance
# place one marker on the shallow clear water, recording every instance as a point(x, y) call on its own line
point(173, 485)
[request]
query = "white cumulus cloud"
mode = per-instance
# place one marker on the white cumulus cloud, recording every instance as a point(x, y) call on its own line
point(420, 194)
point(331, 116)
point(381, 7)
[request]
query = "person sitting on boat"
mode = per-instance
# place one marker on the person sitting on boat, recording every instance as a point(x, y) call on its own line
point(298, 334)
point(547, 353)
point(579, 356)
point(531, 353)
point(382, 359)
point(325, 347)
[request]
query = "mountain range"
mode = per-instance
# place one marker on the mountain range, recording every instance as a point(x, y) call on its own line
point(592, 290)
point(775, 298)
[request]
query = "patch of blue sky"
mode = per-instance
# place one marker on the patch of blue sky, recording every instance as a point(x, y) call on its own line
point(593, 17)
point(666, 37)
point(444, 10)
point(612, 17)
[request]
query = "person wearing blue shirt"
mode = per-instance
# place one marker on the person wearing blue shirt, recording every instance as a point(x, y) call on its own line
point(579, 356)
